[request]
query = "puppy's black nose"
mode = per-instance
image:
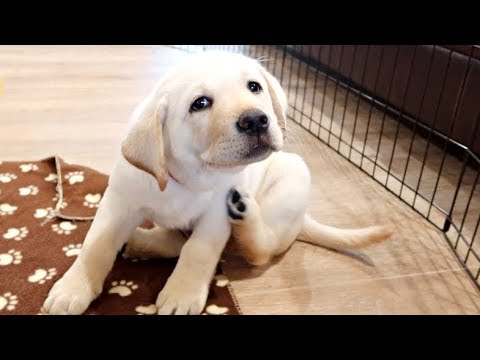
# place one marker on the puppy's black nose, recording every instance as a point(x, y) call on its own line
point(253, 122)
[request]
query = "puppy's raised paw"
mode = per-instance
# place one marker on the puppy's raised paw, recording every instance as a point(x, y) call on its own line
point(236, 205)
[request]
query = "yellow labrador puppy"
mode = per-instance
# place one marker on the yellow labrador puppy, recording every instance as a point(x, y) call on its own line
point(202, 155)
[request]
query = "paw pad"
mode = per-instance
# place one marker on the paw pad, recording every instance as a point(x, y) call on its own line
point(28, 167)
point(11, 257)
point(7, 209)
point(8, 301)
point(123, 288)
point(42, 275)
point(236, 207)
point(51, 178)
point(16, 233)
point(7, 177)
point(92, 200)
point(75, 177)
point(72, 250)
point(48, 213)
point(65, 227)
point(28, 190)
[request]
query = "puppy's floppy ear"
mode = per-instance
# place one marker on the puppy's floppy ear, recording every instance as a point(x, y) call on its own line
point(143, 145)
point(279, 99)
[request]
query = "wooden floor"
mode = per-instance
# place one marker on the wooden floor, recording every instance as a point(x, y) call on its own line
point(74, 101)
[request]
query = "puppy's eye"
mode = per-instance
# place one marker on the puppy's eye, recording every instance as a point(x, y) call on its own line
point(200, 103)
point(254, 87)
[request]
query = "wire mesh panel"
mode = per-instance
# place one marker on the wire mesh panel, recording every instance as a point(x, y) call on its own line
point(407, 115)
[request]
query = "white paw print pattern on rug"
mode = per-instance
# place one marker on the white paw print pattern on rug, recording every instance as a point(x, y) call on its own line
point(11, 257)
point(51, 178)
point(216, 310)
point(41, 275)
point(123, 288)
point(146, 309)
point(16, 233)
point(7, 209)
point(221, 280)
point(8, 301)
point(63, 205)
point(28, 167)
point(28, 190)
point(92, 200)
point(64, 228)
point(7, 177)
point(75, 177)
point(48, 213)
point(72, 250)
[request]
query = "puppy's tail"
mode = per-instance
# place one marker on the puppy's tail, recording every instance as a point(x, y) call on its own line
point(341, 239)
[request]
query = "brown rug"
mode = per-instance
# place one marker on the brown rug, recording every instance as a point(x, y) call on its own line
point(46, 209)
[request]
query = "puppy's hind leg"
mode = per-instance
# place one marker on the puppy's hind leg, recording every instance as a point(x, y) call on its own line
point(268, 224)
point(154, 243)
point(263, 229)
point(248, 230)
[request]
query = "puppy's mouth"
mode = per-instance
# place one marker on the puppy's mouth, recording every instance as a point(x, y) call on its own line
point(253, 149)
point(256, 152)
point(259, 148)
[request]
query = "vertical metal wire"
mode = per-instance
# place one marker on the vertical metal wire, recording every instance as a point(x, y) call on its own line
point(429, 137)
point(315, 90)
point(415, 123)
point(459, 184)
point(275, 51)
point(290, 84)
point(358, 101)
point(255, 54)
point(467, 208)
point(335, 95)
point(402, 110)
point(268, 61)
point(380, 63)
point(299, 66)
point(263, 57)
point(346, 95)
point(325, 89)
point(306, 85)
point(452, 126)
point(284, 55)
point(249, 50)
point(395, 61)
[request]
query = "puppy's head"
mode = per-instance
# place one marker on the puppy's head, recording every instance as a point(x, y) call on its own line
point(217, 109)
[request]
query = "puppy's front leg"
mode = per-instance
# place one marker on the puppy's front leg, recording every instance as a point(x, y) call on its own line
point(186, 290)
point(83, 282)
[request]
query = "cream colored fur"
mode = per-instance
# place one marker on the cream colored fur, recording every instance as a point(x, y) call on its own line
point(177, 168)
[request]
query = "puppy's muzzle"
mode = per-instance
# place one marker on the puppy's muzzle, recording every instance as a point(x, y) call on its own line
point(253, 122)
